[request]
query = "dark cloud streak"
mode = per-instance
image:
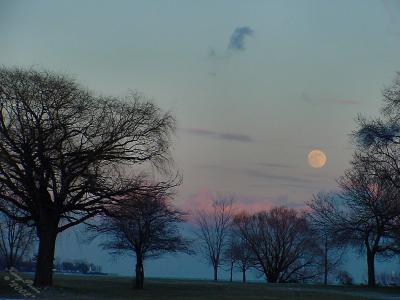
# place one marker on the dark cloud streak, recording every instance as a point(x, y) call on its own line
point(314, 101)
point(237, 42)
point(221, 135)
point(275, 165)
point(263, 175)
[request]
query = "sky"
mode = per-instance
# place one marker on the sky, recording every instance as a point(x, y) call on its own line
point(254, 85)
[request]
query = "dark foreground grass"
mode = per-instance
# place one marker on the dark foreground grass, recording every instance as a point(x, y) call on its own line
point(112, 288)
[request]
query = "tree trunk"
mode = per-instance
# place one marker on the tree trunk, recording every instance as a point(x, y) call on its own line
point(371, 267)
point(326, 261)
point(47, 234)
point(273, 276)
point(244, 275)
point(216, 272)
point(231, 278)
point(9, 261)
point(139, 273)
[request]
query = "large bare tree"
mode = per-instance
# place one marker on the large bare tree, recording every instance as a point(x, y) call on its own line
point(378, 139)
point(213, 229)
point(64, 152)
point(283, 244)
point(145, 226)
point(363, 214)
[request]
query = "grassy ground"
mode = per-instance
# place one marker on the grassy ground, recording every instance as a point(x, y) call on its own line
point(112, 288)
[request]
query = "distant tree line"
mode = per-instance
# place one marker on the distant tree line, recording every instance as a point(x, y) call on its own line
point(77, 266)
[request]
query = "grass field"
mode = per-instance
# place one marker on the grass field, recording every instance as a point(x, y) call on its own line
point(110, 288)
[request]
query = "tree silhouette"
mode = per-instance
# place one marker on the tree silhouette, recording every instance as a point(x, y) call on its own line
point(65, 152)
point(145, 226)
point(213, 231)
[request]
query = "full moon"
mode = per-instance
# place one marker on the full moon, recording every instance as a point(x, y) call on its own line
point(316, 158)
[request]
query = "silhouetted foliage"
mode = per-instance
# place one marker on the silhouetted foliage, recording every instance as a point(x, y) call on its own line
point(238, 253)
point(363, 213)
point(379, 142)
point(332, 247)
point(16, 241)
point(282, 243)
point(145, 226)
point(64, 152)
point(213, 231)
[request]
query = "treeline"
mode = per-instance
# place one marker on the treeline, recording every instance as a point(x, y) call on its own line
point(77, 266)
point(73, 266)
point(68, 155)
point(280, 244)
point(289, 245)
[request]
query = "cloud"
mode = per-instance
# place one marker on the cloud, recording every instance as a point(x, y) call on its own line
point(286, 185)
point(199, 131)
point(273, 179)
point(314, 101)
point(203, 200)
point(235, 137)
point(346, 102)
point(221, 135)
point(264, 175)
point(275, 165)
point(237, 42)
point(238, 38)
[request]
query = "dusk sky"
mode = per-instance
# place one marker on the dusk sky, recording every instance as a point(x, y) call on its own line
point(254, 85)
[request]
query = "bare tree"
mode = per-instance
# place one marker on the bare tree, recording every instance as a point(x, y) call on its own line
point(332, 252)
point(282, 243)
point(332, 247)
point(238, 254)
point(213, 231)
point(145, 226)
point(379, 141)
point(363, 214)
point(228, 256)
point(64, 152)
point(16, 241)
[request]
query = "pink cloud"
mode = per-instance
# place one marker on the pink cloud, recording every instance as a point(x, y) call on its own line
point(203, 200)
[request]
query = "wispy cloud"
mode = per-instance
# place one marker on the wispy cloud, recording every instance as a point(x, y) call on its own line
point(265, 175)
point(238, 38)
point(271, 176)
point(315, 101)
point(221, 135)
point(235, 137)
point(203, 199)
point(274, 165)
point(237, 43)
point(285, 185)
point(265, 178)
